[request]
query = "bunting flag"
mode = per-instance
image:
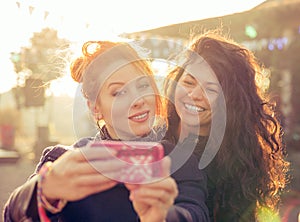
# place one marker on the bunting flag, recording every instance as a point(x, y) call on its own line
point(46, 13)
point(31, 8)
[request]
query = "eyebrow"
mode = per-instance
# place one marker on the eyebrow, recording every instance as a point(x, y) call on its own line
point(115, 83)
point(189, 75)
point(122, 83)
point(142, 78)
point(207, 83)
point(212, 83)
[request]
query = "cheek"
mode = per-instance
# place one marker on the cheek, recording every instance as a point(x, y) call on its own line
point(180, 92)
point(120, 108)
point(111, 108)
point(177, 101)
point(211, 102)
point(211, 97)
point(151, 100)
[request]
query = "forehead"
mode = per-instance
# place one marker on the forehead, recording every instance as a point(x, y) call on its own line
point(126, 73)
point(201, 71)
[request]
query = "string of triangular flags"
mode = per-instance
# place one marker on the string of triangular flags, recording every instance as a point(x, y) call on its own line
point(31, 9)
point(46, 13)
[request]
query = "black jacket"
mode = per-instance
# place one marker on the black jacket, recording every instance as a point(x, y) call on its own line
point(114, 204)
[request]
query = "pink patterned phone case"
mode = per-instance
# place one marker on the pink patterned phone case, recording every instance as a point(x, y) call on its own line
point(142, 158)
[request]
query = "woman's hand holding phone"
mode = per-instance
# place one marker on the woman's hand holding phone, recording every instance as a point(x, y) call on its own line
point(153, 194)
point(152, 201)
point(142, 160)
point(75, 174)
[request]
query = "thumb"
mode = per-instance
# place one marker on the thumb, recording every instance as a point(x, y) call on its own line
point(166, 166)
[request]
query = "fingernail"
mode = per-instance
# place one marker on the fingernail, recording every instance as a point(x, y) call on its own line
point(131, 196)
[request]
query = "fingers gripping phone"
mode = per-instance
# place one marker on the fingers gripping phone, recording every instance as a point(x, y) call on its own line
point(143, 159)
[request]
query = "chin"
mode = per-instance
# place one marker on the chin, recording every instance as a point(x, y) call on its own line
point(142, 131)
point(191, 123)
point(191, 120)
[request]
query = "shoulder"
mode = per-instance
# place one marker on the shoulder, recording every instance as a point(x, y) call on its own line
point(185, 164)
point(168, 146)
point(51, 153)
point(83, 142)
point(54, 152)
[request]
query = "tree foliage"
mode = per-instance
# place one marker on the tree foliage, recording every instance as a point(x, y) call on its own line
point(45, 57)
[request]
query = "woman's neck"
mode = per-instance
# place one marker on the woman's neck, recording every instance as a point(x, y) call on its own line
point(105, 134)
point(184, 131)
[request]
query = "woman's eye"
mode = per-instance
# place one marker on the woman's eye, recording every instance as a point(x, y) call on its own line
point(212, 90)
point(188, 83)
point(119, 92)
point(144, 86)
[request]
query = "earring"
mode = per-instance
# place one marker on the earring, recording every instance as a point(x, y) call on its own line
point(96, 116)
point(98, 123)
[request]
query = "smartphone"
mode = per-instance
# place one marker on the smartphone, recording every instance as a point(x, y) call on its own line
point(143, 159)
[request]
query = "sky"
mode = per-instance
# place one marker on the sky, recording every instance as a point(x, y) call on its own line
point(84, 20)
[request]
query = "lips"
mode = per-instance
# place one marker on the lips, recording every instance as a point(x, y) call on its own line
point(140, 117)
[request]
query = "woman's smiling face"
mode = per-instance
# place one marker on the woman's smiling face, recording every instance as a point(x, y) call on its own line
point(197, 90)
point(127, 103)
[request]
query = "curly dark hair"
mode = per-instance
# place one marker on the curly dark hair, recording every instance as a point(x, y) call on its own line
point(249, 171)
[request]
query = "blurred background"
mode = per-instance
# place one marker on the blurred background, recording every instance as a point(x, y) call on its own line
point(39, 39)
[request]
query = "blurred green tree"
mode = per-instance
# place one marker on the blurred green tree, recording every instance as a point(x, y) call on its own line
point(44, 57)
point(43, 60)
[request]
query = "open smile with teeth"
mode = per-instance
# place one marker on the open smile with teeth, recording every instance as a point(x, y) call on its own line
point(193, 108)
point(139, 117)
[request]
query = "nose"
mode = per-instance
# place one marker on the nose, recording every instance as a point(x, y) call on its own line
point(196, 93)
point(138, 99)
point(138, 102)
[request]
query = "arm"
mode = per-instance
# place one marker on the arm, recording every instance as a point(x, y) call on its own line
point(73, 176)
point(22, 202)
point(25, 195)
point(152, 200)
point(18, 203)
point(190, 204)
point(155, 201)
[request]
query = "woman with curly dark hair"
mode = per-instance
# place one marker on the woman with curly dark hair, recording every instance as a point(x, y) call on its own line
point(216, 96)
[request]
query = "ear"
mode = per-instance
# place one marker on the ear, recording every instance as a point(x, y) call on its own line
point(95, 109)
